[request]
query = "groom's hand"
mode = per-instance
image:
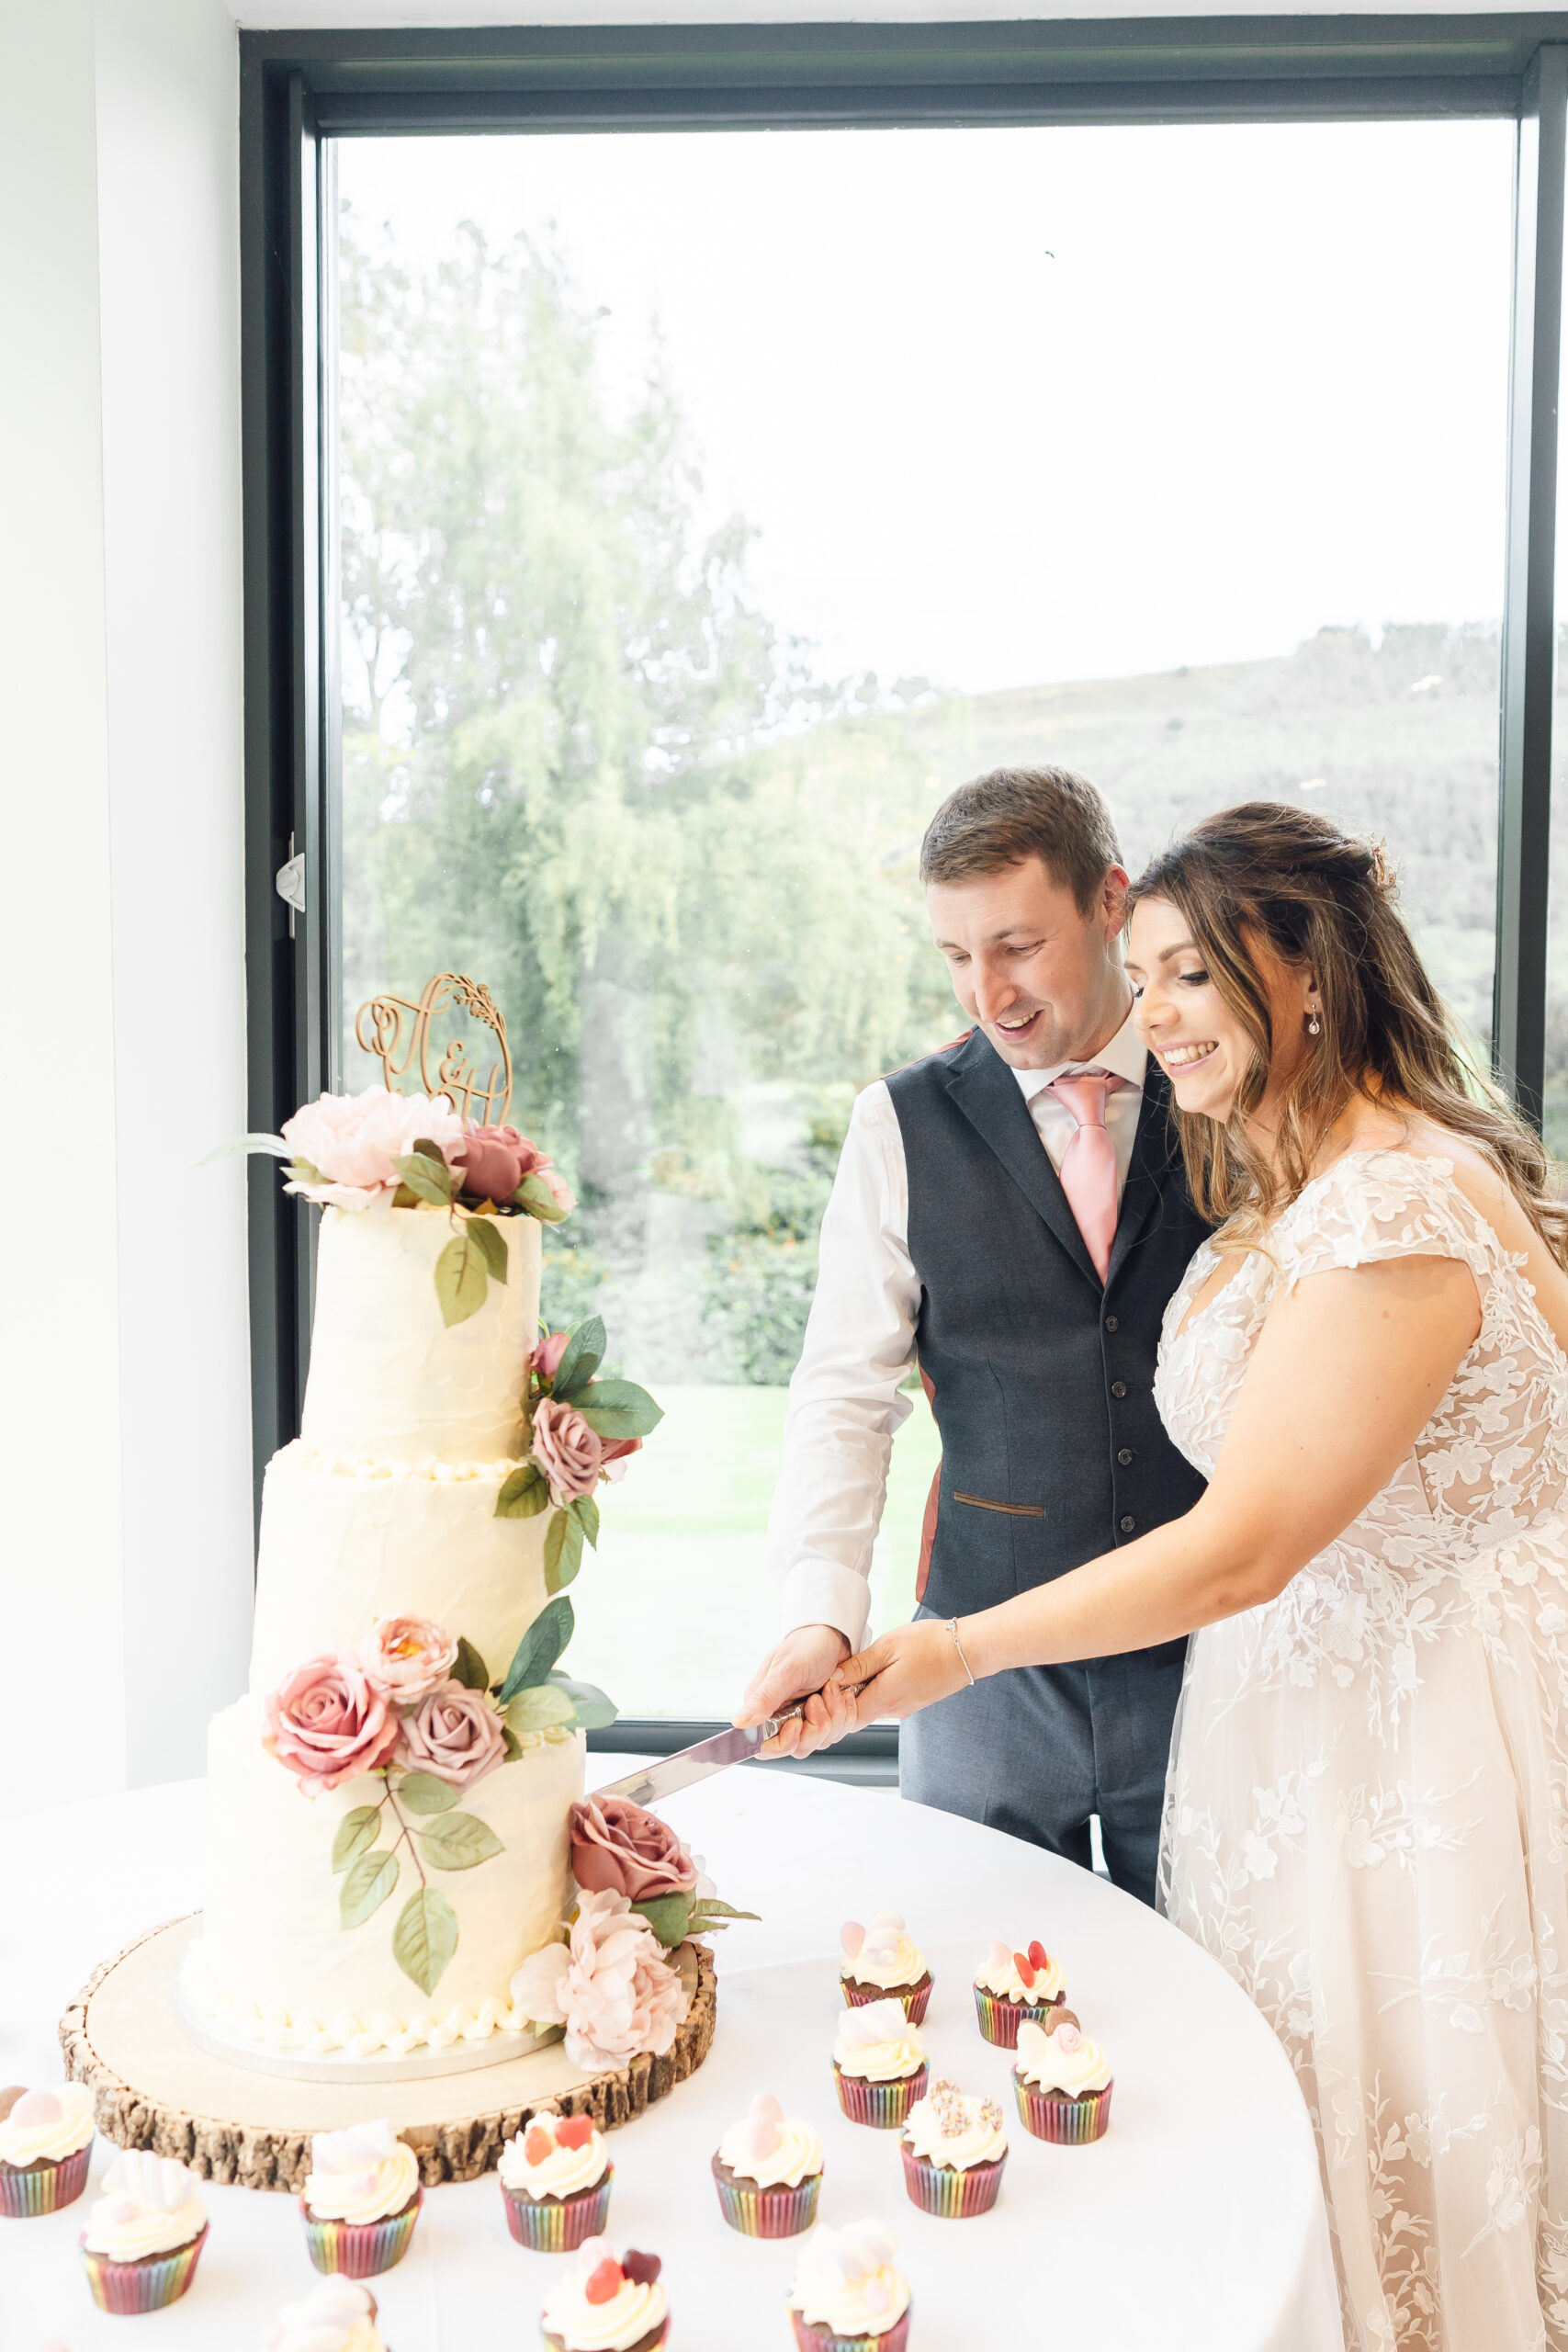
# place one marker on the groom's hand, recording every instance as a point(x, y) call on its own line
point(798, 1665)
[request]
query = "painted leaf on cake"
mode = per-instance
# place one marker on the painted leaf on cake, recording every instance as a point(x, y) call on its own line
point(426, 1938)
point(543, 1643)
point(615, 1408)
point(423, 1792)
point(537, 1709)
point(457, 1841)
point(369, 1882)
point(524, 1494)
point(462, 1283)
point(583, 1354)
point(356, 1831)
point(469, 1667)
point(563, 1551)
point(485, 1234)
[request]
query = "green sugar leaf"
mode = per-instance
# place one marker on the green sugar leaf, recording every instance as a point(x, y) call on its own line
point(423, 1792)
point(426, 1938)
point(525, 1495)
point(537, 1709)
point(510, 1742)
point(366, 1887)
point(462, 1284)
point(667, 1915)
point(354, 1832)
point(469, 1667)
point(539, 1648)
point(707, 1912)
point(427, 1175)
point(534, 1195)
point(594, 1708)
point(563, 1551)
point(492, 1243)
point(583, 1354)
point(585, 1510)
point(618, 1409)
point(457, 1841)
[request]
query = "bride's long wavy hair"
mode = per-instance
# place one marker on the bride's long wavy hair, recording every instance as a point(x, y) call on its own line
point(1286, 877)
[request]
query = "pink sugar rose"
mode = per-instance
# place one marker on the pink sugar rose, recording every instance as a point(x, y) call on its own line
point(351, 1141)
point(329, 1723)
point(494, 1161)
point(566, 1450)
point(455, 1734)
point(614, 1457)
point(612, 1989)
point(619, 1848)
point(545, 1359)
point(407, 1656)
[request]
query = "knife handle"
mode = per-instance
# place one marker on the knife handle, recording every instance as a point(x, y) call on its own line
point(792, 1714)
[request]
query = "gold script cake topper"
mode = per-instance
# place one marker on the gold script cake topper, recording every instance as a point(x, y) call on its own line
point(398, 1033)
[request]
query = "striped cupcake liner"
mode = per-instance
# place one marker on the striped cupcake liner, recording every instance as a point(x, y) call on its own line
point(360, 2249)
point(127, 2288)
point(45, 2189)
point(643, 2344)
point(1000, 2019)
point(1070, 2122)
point(822, 2340)
point(781, 2212)
point(915, 2003)
point(952, 2194)
point(558, 2225)
point(884, 2105)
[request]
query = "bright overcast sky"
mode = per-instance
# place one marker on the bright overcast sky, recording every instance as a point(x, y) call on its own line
point(1010, 406)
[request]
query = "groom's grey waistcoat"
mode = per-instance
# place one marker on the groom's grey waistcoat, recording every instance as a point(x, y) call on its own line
point(1040, 1379)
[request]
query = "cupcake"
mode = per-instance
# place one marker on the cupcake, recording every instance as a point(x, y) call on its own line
point(953, 2151)
point(600, 2303)
point(1062, 2081)
point(879, 2064)
point(768, 2170)
point(555, 2182)
point(362, 2198)
point(1011, 1987)
point(337, 2316)
point(880, 1960)
point(145, 2235)
point(847, 2295)
point(46, 2144)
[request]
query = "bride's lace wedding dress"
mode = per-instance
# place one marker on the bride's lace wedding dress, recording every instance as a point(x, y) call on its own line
point(1367, 1820)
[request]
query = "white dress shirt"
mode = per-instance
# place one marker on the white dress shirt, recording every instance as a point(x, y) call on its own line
point(844, 1400)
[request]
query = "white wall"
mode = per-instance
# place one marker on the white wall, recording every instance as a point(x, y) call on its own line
point(124, 1417)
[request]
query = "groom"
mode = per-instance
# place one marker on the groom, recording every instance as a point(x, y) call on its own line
point(1008, 1215)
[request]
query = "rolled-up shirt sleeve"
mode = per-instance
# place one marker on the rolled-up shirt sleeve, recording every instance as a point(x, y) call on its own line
point(844, 1400)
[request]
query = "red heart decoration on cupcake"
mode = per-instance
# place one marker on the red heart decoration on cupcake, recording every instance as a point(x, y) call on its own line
point(643, 2268)
point(1021, 1962)
point(1038, 1955)
point(536, 2145)
point(576, 2130)
point(606, 2281)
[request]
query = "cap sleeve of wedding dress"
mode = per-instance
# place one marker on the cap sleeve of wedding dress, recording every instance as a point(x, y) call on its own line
point(1367, 1820)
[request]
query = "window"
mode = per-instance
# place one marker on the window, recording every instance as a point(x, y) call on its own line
point(699, 508)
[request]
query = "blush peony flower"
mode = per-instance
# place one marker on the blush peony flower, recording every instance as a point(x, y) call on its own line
point(455, 1734)
point(618, 1846)
point(494, 1161)
point(544, 1361)
point(407, 1656)
point(351, 1141)
point(566, 1450)
point(612, 1987)
point(329, 1723)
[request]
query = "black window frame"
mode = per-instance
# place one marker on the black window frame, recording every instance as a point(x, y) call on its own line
point(299, 92)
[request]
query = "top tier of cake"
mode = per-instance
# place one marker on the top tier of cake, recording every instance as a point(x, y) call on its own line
point(389, 1381)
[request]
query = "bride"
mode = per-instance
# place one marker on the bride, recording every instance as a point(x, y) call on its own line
point(1367, 1811)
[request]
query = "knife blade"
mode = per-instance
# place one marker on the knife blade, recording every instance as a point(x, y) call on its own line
point(669, 1774)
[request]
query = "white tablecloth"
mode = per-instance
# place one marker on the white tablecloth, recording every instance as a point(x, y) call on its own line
point(1196, 2223)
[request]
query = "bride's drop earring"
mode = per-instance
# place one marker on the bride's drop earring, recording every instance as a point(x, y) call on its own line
point(1313, 1026)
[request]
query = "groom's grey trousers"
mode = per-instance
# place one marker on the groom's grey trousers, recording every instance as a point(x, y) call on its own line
point(1041, 1379)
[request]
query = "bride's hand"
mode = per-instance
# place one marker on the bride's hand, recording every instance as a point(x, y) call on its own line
point(904, 1670)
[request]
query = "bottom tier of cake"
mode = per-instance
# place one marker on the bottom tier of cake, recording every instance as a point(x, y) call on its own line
point(276, 1968)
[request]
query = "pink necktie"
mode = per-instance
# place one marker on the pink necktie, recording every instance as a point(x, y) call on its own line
point(1089, 1165)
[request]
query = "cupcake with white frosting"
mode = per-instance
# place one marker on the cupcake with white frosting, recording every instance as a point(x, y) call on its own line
point(1062, 2081)
point(45, 2144)
point(953, 2149)
point(879, 2064)
point(604, 2305)
point(768, 2171)
point(1014, 1988)
point(362, 2198)
point(555, 2182)
point(144, 2234)
point(337, 2316)
point(847, 2295)
point(879, 1959)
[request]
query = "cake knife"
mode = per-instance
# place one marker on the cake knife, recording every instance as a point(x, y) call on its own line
point(688, 1764)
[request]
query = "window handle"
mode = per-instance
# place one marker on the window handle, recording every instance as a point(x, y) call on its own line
point(289, 882)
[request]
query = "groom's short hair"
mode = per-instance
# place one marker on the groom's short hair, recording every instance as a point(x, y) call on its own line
point(1000, 819)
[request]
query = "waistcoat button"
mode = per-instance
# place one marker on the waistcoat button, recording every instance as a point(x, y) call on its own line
point(1124, 1457)
point(1112, 1323)
point(1118, 1388)
point(1128, 1523)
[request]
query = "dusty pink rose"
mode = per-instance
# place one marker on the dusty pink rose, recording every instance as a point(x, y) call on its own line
point(494, 1161)
point(328, 1722)
point(566, 1450)
point(407, 1656)
point(612, 1989)
point(455, 1734)
point(351, 1141)
point(619, 1848)
point(544, 1361)
point(614, 1456)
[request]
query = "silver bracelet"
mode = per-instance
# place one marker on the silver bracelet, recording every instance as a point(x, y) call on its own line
point(952, 1629)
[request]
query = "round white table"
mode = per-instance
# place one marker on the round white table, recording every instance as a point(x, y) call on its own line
point(1197, 2223)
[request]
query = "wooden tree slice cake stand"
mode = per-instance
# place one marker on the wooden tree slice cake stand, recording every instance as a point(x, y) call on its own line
point(155, 2088)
